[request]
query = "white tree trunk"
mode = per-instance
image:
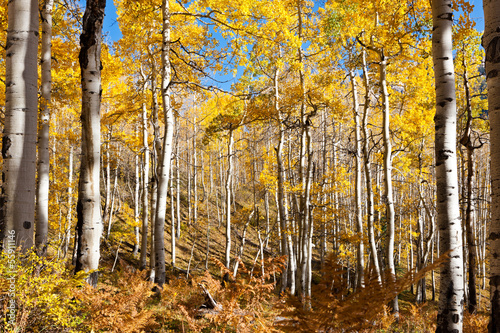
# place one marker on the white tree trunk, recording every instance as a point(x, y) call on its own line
point(305, 179)
point(89, 225)
point(19, 134)
point(112, 206)
point(154, 186)
point(389, 202)
point(195, 173)
point(164, 166)
point(178, 190)
point(288, 278)
point(172, 217)
point(368, 175)
point(67, 236)
point(145, 186)
point(228, 195)
point(451, 290)
point(491, 43)
point(137, 185)
point(42, 194)
point(357, 196)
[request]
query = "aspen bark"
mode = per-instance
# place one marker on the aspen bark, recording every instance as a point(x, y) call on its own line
point(17, 204)
point(228, 195)
point(451, 290)
point(67, 236)
point(491, 43)
point(154, 169)
point(357, 192)
point(195, 173)
point(467, 141)
point(42, 194)
point(172, 218)
point(89, 225)
point(112, 205)
point(164, 166)
point(388, 192)
point(145, 185)
point(107, 180)
point(368, 173)
point(137, 186)
point(178, 187)
point(304, 273)
point(286, 238)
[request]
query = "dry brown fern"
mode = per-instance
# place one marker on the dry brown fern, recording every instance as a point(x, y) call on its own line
point(117, 307)
point(334, 309)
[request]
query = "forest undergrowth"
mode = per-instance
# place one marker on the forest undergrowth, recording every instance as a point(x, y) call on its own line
point(50, 298)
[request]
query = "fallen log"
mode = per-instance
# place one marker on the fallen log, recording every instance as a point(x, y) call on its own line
point(210, 306)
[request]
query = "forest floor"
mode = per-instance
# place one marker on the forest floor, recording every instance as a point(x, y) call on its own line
point(184, 315)
point(52, 299)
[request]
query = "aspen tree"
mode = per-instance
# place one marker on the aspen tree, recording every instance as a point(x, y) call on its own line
point(229, 180)
point(451, 291)
point(42, 194)
point(467, 140)
point(89, 226)
point(357, 193)
point(166, 153)
point(491, 43)
point(137, 186)
point(388, 192)
point(286, 237)
point(19, 134)
point(305, 224)
point(145, 181)
point(368, 176)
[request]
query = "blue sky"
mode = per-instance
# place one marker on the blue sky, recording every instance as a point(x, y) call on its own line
point(477, 14)
point(111, 25)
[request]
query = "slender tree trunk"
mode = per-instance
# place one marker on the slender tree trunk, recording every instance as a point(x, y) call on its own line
point(286, 238)
point(172, 218)
point(451, 290)
point(67, 236)
point(178, 188)
point(154, 169)
point(89, 225)
point(466, 141)
point(305, 179)
point(145, 185)
point(491, 43)
point(368, 172)
point(164, 166)
point(433, 279)
point(388, 192)
point(207, 199)
point(188, 167)
point(137, 185)
point(107, 180)
point(42, 194)
point(17, 204)
point(357, 197)
point(471, 241)
point(228, 195)
point(112, 206)
point(195, 173)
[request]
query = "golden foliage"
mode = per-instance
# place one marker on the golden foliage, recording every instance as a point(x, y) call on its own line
point(42, 291)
